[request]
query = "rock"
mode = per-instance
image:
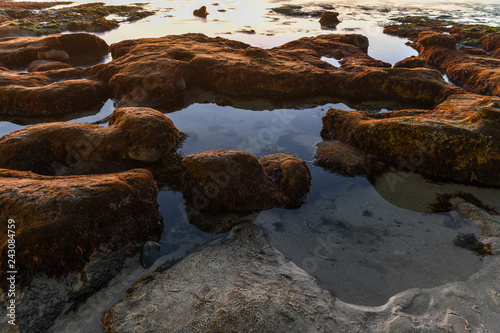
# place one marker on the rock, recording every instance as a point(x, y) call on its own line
point(294, 69)
point(458, 140)
point(53, 55)
point(72, 236)
point(19, 52)
point(476, 73)
point(134, 135)
point(221, 285)
point(244, 282)
point(225, 181)
point(345, 160)
point(487, 223)
point(428, 39)
point(411, 62)
point(291, 177)
point(201, 12)
point(149, 253)
point(90, 17)
point(45, 65)
point(329, 19)
point(53, 92)
point(475, 69)
point(473, 50)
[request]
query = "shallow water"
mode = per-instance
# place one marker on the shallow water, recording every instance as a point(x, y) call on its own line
point(362, 240)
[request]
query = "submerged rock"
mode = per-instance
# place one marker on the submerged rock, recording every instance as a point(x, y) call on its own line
point(152, 71)
point(134, 135)
point(457, 140)
point(149, 253)
point(345, 160)
point(72, 236)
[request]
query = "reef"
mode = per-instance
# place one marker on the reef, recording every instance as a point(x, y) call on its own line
point(28, 20)
point(152, 71)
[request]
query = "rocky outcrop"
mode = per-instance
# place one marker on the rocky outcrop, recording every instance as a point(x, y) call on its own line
point(34, 19)
point(237, 182)
point(72, 235)
point(49, 93)
point(221, 289)
point(244, 282)
point(476, 73)
point(19, 52)
point(458, 140)
point(59, 89)
point(134, 136)
point(346, 160)
point(151, 71)
point(468, 54)
point(411, 62)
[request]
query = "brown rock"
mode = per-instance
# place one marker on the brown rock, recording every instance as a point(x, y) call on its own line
point(476, 73)
point(344, 159)
point(458, 140)
point(473, 50)
point(155, 70)
point(411, 62)
point(201, 12)
point(72, 235)
point(134, 135)
point(50, 92)
point(291, 177)
point(46, 65)
point(19, 52)
point(329, 19)
point(227, 181)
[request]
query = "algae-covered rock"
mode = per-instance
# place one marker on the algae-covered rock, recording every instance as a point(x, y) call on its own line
point(227, 181)
point(291, 177)
point(134, 135)
point(72, 235)
point(459, 139)
point(151, 71)
point(346, 160)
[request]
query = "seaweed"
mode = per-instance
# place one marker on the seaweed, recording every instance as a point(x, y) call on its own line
point(442, 202)
point(470, 242)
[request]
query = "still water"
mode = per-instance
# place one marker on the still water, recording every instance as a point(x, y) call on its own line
point(363, 240)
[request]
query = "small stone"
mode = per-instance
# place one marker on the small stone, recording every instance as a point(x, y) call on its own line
point(329, 19)
point(150, 252)
point(201, 12)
